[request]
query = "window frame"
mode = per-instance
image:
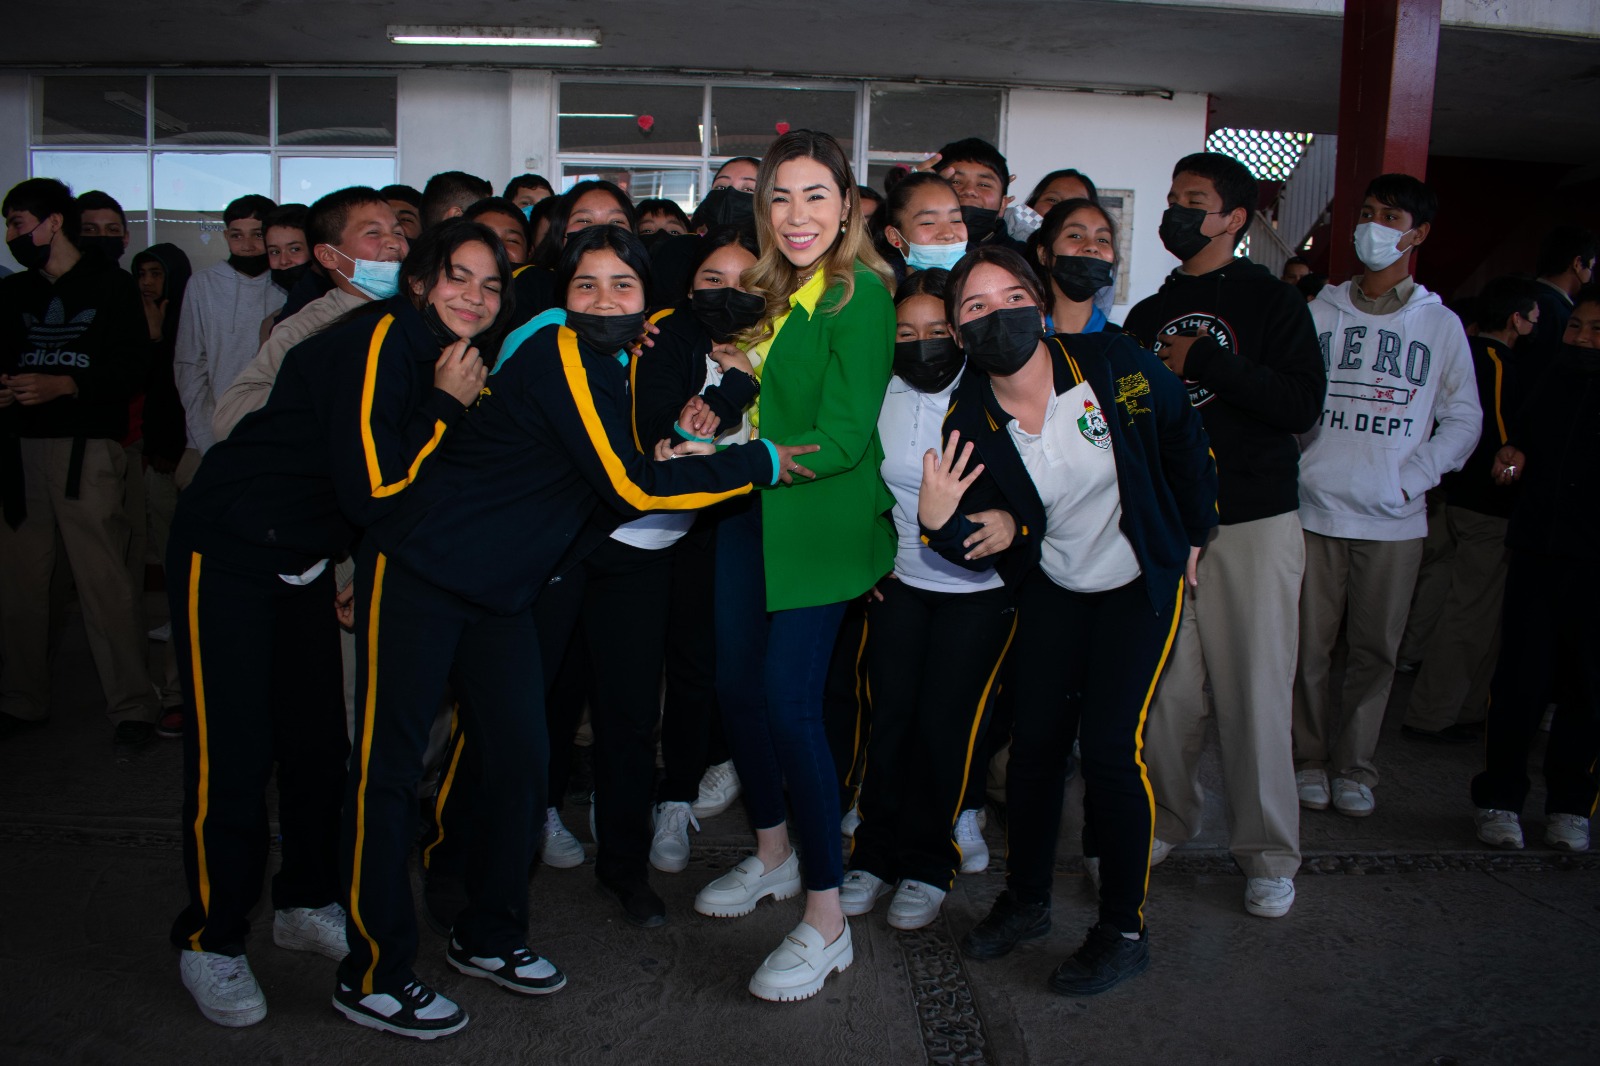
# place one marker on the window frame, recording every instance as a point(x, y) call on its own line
point(151, 148)
point(861, 158)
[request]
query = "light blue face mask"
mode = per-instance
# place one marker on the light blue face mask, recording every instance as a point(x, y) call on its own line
point(527, 212)
point(378, 280)
point(927, 256)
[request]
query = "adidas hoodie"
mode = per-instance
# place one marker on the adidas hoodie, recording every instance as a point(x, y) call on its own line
point(1401, 412)
point(89, 324)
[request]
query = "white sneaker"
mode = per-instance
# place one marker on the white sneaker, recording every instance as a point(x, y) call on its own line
point(718, 789)
point(1352, 799)
point(1091, 866)
point(737, 892)
point(1500, 829)
point(860, 891)
point(1269, 897)
point(669, 851)
point(560, 849)
point(850, 823)
point(1569, 832)
point(223, 987)
point(801, 963)
point(1313, 788)
point(1159, 850)
point(915, 904)
point(969, 839)
point(320, 930)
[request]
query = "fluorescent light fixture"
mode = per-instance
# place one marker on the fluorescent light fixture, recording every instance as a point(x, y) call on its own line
point(592, 114)
point(496, 36)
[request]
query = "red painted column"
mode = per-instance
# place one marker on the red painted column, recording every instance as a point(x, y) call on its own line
point(1391, 51)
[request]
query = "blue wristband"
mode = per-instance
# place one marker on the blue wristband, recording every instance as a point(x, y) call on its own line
point(772, 449)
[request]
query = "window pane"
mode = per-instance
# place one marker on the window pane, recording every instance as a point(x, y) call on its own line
point(357, 111)
point(192, 181)
point(681, 185)
point(89, 111)
point(122, 174)
point(637, 119)
point(878, 173)
point(746, 121)
point(914, 119)
point(304, 179)
point(220, 110)
point(191, 191)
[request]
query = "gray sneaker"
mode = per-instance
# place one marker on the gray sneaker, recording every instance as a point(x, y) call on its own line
point(223, 987)
point(1500, 829)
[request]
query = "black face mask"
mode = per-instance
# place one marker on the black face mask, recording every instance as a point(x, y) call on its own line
point(728, 206)
point(606, 333)
point(650, 240)
point(441, 332)
point(1081, 276)
point(110, 247)
point(1001, 342)
point(980, 223)
point(287, 278)
point(725, 313)
point(28, 255)
point(1180, 231)
point(251, 266)
point(928, 365)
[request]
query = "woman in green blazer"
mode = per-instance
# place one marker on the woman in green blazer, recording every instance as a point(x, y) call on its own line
point(787, 566)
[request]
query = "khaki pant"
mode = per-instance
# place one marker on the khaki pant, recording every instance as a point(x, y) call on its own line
point(133, 506)
point(1459, 658)
point(1240, 630)
point(187, 465)
point(1433, 583)
point(1373, 579)
point(160, 501)
point(95, 535)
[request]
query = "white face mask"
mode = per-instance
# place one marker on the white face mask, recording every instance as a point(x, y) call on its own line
point(1377, 246)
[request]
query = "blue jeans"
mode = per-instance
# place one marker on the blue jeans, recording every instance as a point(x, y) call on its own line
point(772, 704)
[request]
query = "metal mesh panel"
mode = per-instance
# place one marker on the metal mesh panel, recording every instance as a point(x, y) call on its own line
point(1271, 155)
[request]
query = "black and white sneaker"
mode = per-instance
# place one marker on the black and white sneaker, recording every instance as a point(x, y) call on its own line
point(417, 1011)
point(521, 971)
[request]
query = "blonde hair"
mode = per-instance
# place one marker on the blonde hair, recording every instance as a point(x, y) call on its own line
point(773, 277)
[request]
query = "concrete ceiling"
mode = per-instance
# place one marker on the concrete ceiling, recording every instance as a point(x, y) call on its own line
point(1498, 95)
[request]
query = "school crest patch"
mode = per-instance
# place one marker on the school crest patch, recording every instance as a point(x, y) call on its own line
point(1129, 388)
point(1093, 426)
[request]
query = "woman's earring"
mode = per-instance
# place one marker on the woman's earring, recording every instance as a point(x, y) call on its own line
point(844, 227)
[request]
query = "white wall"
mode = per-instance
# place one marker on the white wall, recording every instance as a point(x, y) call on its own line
point(495, 124)
point(532, 139)
point(1122, 142)
point(13, 139)
point(456, 120)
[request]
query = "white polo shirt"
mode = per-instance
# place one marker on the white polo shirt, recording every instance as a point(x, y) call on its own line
point(909, 424)
point(1071, 464)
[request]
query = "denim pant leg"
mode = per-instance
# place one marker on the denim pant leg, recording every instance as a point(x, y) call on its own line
point(740, 624)
point(800, 648)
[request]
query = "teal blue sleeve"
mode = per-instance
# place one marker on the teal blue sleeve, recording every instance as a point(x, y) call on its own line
point(772, 450)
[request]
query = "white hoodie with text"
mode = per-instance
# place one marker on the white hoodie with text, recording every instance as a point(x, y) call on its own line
point(1376, 451)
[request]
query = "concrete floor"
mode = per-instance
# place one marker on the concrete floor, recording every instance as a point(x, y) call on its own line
point(1409, 943)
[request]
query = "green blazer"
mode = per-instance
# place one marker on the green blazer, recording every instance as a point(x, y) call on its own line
point(831, 539)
